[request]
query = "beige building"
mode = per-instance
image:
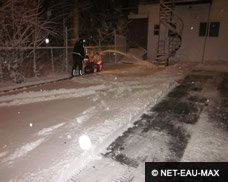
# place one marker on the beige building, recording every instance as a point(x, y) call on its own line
point(178, 29)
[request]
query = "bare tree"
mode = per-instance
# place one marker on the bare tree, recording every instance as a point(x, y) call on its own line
point(100, 20)
point(23, 25)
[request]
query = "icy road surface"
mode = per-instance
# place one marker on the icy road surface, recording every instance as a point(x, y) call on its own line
point(40, 127)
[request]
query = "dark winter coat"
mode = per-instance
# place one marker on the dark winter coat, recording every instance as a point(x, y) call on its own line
point(79, 49)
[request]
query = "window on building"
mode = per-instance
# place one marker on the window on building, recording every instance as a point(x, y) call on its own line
point(203, 29)
point(213, 29)
point(156, 29)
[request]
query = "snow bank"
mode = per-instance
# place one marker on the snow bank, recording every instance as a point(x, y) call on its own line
point(44, 95)
point(9, 86)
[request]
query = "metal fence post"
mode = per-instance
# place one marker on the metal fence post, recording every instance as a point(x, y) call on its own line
point(66, 50)
point(1, 73)
point(34, 61)
point(52, 62)
point(115, 38)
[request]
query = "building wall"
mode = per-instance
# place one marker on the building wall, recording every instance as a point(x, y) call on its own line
point(216, 48)
point(193, 45)
point(152, 12)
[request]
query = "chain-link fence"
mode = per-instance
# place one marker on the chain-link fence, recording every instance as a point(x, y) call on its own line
point(43, 61)
point(32, 62)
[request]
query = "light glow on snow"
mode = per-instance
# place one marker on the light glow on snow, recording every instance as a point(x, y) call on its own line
point(85, 142)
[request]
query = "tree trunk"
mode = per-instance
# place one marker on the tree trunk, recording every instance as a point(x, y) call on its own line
point(1, 72)
point(76, 20)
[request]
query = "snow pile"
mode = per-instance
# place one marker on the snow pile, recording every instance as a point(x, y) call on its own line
point(43, 95)
point(7, 86)
point(47, 131)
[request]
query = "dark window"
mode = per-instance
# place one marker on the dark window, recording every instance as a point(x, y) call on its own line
point(156, 26)
point(156, 32)
point(203, 29)
point(156, 29)
point(214, 29)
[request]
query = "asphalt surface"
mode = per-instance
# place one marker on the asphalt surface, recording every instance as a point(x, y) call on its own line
point(182, 105)
point(161, 134)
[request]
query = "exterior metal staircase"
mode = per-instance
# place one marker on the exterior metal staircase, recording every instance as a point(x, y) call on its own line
point(170, 34)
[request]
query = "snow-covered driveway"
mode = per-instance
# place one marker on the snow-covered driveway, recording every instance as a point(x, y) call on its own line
point(189, 124)
point(40, 127)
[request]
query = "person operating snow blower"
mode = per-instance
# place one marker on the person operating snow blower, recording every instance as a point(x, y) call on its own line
point(78, 56)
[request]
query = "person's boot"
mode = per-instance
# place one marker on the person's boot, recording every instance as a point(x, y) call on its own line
point(73, 73)
point(80, 72)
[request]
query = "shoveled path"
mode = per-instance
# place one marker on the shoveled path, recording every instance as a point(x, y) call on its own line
point(163, 133)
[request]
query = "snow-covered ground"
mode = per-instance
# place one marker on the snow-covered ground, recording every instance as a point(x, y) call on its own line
point(41, 127)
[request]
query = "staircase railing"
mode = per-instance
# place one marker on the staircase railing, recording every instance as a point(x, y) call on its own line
point(174, 26)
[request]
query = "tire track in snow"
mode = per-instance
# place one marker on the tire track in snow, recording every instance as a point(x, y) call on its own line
point(25, 149)
point(22, 151)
